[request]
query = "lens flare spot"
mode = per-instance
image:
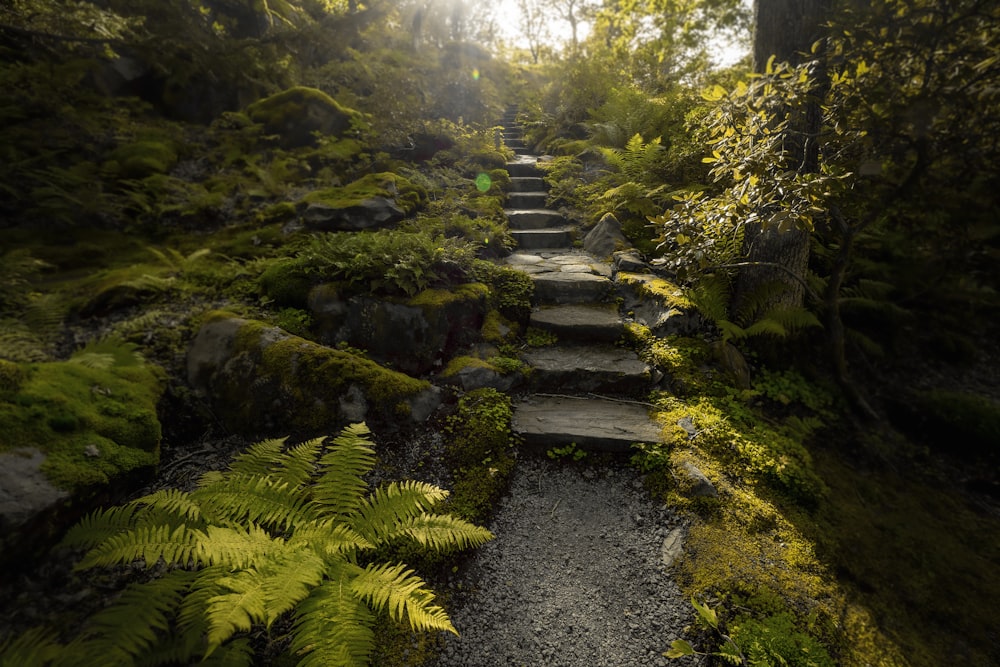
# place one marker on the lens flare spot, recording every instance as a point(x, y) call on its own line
point(475, 75)
point(483, 182)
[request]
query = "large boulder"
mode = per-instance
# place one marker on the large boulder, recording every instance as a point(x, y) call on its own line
point(373, 201)
point(415, 335)
point(606, 237)
point(261, 379)
point(296, 115)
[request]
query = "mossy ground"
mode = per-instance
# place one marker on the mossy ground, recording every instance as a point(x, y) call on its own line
point(94, 424)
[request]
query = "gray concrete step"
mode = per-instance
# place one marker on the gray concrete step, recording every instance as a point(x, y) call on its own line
point(593, 424)
point(587, 368)
point(527, 184)
point(534, 218)
point(542, 239)
point(580, 322)
point(566, 287)
point(514, 142)
point(524, 166)
point(523, 200)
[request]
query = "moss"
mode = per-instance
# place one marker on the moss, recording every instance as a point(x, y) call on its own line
point(94, 424)
point(299, 384)
point(433, 300)
point(11, 377)
point(297, 113)
point(407, 194)
point(286, 283)
point(496, 328)
point(460, 363)
point(481, 452)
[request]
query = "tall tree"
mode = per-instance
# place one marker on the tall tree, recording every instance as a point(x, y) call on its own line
point(784, 31)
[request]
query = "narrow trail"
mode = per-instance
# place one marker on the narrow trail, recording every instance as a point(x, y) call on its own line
point(579, 573)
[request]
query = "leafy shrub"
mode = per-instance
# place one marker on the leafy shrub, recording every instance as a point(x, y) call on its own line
point(280, 536)
point(775, 642)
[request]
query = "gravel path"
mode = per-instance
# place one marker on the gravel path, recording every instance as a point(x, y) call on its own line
point(574, 578)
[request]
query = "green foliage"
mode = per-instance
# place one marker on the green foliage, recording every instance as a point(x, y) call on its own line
point(535, 337)
point(480, 449)
point(17, 270)
point(280, 536)
point(294, 321)
point(570, 451)
point(384, 260)
point(510, 290)
point(775, 642)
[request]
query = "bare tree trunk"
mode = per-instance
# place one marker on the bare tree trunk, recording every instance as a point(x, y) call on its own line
point(784, 29)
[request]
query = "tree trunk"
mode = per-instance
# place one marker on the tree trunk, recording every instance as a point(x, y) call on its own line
point(785, 29)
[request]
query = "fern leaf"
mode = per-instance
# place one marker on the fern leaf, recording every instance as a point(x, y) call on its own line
point(100, 525)
point(37, 646)
point(298, 465)
point(93, 360)
point(237, 610)
point(136, 620)
point(169, 502)
point(766, 326)
point(288, 580)
point(402, 594)
point(333, 628)
point(235, 547)
point(237, 653)
point(379, 515)
point(259, 458)
point(252, 498)
point(146, 543)
point(440, 531)
point(330, 539)
point(340, 486)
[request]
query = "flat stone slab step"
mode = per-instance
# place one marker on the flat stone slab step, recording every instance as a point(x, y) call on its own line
point(527, 184)
point(540, 239)
point(565, 287)
point(593, 424)
point(585, 322)
point(527, 200)
point(534, 218)
point(587, 368)
point(524, 165)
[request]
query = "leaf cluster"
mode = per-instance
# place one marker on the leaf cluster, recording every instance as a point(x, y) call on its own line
point(279, 537)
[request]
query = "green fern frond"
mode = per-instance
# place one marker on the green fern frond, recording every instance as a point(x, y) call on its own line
point(37, 646)
point(19, 344)
point(171, 502)
point(235, 547)
point(330, 539)
point(136, 620)
point(379, 515)
point(397, 590)
point(253, 498)
point(100, 525)
point(867, 344)
point(44, 315)
point(793, 318)
point(442, 531)
point(146, 543)
point(236, 653)
point(150, 283)
point(333, 628)
point(259, 458)
point(710, 296)
point(765, 327)
point(237, 610)
point(93, 360)
point(119, 352)
point(340, 486)
point(298, 465)
point(289, 578)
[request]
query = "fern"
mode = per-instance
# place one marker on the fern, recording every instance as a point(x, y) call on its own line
point(279, 534)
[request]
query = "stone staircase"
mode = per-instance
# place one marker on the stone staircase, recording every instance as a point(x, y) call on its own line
point(581, 387)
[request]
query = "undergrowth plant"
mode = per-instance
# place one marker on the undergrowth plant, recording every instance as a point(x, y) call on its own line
point(276, 547)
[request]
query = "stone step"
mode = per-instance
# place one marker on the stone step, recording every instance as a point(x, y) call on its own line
point(565, 287)
point(542, 239)
point(527, 184)
point(513, 133)
point(581, 322)
point(522, 151)
point(534, 218)
point(514, 143)
point(527, 200)
point(524, 166)
point(593, 424)
point(587, 368)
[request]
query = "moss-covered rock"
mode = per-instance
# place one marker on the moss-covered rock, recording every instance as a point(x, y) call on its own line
point(259, 378)
point(374, 200)
point(414, 334)
point(93, 417)
point(296, 114)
